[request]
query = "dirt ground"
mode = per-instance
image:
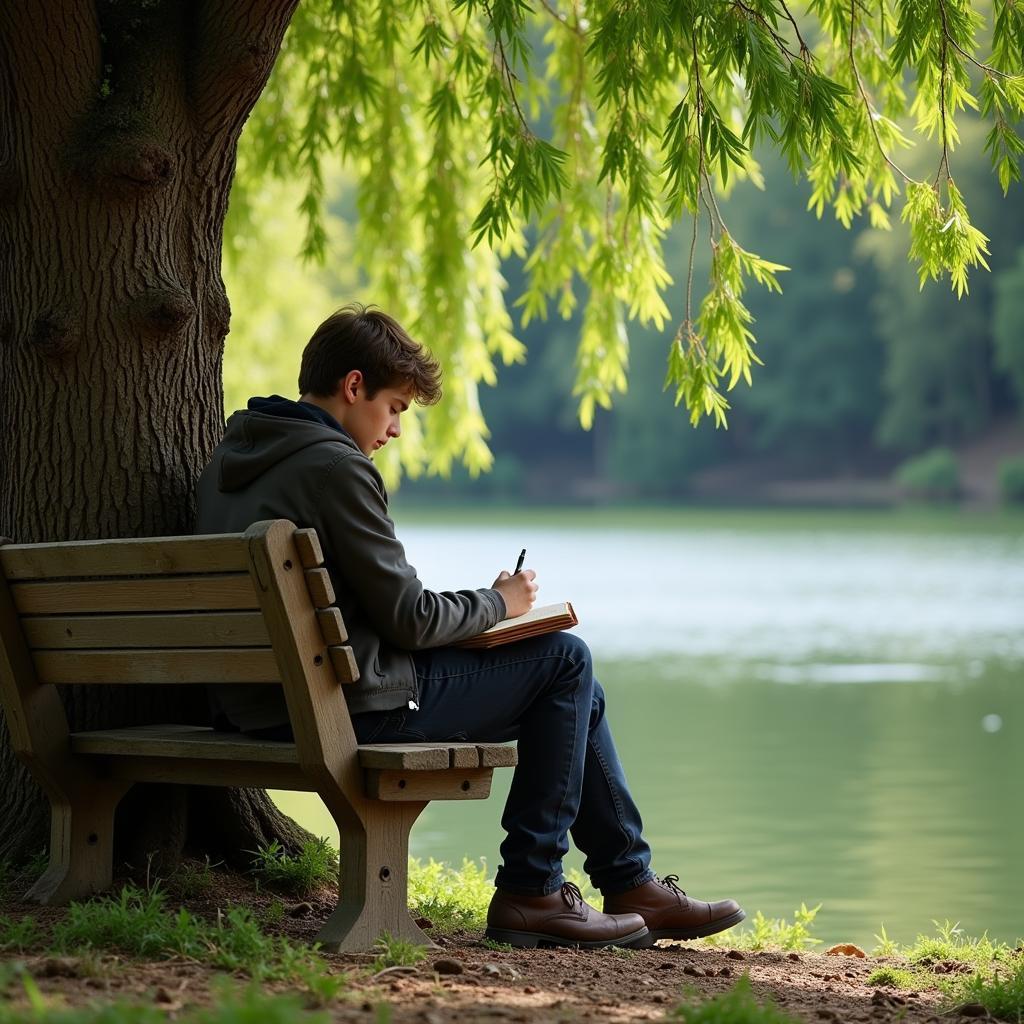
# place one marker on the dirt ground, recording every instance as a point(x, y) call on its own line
point(465, 980)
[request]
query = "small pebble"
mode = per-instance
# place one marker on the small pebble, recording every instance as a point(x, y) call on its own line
point(447, 966)
point(971, 1010)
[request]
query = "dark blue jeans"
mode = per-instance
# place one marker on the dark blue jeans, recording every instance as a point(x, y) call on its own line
point(541, 692)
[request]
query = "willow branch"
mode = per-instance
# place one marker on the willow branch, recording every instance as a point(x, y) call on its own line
point(864, 97)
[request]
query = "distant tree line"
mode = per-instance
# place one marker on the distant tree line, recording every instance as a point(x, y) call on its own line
point(862, 369)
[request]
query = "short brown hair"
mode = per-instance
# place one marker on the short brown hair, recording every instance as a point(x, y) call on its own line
point(363, 338)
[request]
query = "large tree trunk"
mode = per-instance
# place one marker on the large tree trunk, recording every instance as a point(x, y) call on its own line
point(119, 123)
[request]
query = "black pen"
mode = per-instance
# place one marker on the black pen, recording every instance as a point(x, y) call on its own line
point(522, 558)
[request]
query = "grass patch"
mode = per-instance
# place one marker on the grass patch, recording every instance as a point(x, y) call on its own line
point(137, 922)
point(450, 898)
point(19, 935)
point(193, 879)
point(951, 944)
point(735, 1006)
point(302, 874)
point(901, 977)
point(249, 1005)
point(771, 933)
point(397, 953)
point(1001, 993)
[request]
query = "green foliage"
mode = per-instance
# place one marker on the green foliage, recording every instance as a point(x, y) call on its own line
point(19, 935)
point(450, 898)
point(736, 1005)
point(772, 933)
point(249, 1006)
point(302, 874)
point(900, 977)
point(193, 879)
point(1011, 480)
point(933, 476)
point(138, 923)
point(950, 943)
point(1001, 992)
point(470, 131)
point(396, 952)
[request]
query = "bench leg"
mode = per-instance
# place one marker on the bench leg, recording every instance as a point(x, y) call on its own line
point(81, 845)
point(374, 890)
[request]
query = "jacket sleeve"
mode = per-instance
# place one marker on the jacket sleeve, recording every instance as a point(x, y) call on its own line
point(357, 530)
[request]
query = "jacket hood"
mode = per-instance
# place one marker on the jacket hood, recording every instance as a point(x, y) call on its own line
point(269, 431)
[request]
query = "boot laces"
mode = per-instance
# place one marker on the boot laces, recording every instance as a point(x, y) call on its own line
point(571, 893)
point(669, 881)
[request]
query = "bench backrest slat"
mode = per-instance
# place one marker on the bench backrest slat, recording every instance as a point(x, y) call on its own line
point(220, 592)
point(201, 665)
point(146, 556)
point(325, 739)
point(174, 629)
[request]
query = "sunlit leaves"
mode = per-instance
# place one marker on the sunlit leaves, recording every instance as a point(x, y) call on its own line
point(470, 128)
point(721, 344)
point(942, 238)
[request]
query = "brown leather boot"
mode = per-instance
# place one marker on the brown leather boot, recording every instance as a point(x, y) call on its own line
point(561, 918)
point(670, 913)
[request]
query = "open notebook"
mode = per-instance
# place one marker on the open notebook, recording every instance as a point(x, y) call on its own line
point(548, 619)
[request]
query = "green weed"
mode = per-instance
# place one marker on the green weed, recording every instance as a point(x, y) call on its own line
point(951, 944)
point(19, 934)
point(884, 946)
point(901, 977)
point(133, 921)
point(771, 933)
point(397, 953)
point(302, 874)
point(137, 922)
point(247, 1006)
point(450, 898)
point(498, 947)
point(193, 879)
point(1002, 993)
point(735, 1006)
point(273, 913)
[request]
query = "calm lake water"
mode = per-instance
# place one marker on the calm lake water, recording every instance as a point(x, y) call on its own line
point(812, 707)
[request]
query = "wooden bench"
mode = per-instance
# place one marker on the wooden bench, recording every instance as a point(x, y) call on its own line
point(239, 608)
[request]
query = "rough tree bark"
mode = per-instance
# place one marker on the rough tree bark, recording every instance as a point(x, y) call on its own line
point(119, 124)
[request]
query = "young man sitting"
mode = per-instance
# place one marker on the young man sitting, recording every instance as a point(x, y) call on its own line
point(310, 461)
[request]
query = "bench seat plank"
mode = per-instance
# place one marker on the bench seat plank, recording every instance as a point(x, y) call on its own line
point(407, 757)
point(175, 629)
point(204, 743)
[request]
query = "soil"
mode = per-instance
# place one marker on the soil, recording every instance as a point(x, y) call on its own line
point(465, 980)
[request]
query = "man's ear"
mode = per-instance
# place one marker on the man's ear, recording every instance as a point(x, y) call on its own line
point(350, 386)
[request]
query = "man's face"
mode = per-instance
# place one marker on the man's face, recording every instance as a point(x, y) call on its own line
point(372, 422)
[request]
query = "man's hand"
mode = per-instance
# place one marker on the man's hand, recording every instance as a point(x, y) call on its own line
point(519, 591)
